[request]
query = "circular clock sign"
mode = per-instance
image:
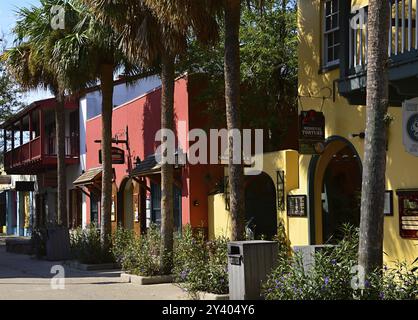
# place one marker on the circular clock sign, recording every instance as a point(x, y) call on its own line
point(412, 127)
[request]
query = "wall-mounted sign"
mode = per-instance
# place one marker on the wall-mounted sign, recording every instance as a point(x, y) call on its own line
point(410, 127)
point(296, 206)
point(25, 186)
point(5, 180)
point(311, 132)
point(408, 213)
point(118, 156)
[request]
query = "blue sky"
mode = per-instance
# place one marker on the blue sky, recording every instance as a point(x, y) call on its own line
point(7, 21)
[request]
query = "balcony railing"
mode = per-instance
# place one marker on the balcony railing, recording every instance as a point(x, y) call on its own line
point(403, 32)
point(31, 151)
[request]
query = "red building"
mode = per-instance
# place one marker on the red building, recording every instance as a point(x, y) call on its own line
point(136, 189)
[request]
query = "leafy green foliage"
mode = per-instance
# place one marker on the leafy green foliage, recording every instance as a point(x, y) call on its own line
point(138, 255)
point(332, 274)
point(86, 246)
point(200, 265)
point(268, 54)
point(10, 97)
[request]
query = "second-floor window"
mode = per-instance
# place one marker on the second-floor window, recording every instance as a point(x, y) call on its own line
point(331, 37)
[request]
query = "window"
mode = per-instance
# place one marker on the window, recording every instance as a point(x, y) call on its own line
point(94, 208)
point(331, 45)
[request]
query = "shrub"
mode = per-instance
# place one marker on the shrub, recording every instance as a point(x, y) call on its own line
point(138, 255)
point(200, 265)
point(86, 246)
point(331, 276)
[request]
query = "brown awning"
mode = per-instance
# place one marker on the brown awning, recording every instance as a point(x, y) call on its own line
point(147, 167)
point(89, 177)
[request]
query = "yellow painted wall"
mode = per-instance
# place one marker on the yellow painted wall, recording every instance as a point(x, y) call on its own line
point(343, 119)
point(219, 217)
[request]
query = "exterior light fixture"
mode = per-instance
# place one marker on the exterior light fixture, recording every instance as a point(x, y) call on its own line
point(360, 135)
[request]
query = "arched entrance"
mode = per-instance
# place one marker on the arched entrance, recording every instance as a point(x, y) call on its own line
point(126, 213)
point(334, 191)
point(260, 206)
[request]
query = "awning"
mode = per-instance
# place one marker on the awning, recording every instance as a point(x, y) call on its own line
point(147, 167)
point(89, 177)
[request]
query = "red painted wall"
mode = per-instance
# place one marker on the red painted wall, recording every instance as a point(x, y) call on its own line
point(143, 119)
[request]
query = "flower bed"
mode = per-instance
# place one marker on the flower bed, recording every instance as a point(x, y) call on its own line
point(201, 266)
point(333, 277)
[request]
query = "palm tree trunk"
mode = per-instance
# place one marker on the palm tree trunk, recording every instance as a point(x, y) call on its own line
point(232, 98)
point(106, 80)
point(61, 218)
point(167, 169)
point(373, 189)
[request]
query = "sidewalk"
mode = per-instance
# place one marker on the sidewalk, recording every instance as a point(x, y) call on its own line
point(22, 277)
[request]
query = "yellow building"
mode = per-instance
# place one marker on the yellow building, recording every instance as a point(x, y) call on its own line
point(321, 191)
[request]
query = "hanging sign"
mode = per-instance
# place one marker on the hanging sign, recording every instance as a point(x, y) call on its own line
point(118, 156)
point(410, 127)
point(408, 213)
point(311, 132)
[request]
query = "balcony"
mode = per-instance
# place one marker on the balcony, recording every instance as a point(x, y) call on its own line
point(30, 143)
point(402, 51)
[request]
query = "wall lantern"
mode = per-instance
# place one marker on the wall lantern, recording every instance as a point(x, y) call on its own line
point(360, 135)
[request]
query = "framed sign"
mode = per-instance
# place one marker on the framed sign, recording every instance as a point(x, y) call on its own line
point(296, 206)
point(388, 203)
point(408, 213)
point(410, 127)
point(311, 132)
point(118, 156)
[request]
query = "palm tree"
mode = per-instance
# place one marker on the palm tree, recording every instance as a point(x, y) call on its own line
point(374, 167)
point(30, 64)
point(232, 99)
point(150, 41)
point(88, 52)
point(182, 14)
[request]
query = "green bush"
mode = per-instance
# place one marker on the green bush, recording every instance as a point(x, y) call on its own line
point(332, 274)
point(86, 246)
point(200, 265)
point(138, 255)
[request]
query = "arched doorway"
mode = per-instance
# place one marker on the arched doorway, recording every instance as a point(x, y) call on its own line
point(126, 213)
point(334, 191)
point(260, 206)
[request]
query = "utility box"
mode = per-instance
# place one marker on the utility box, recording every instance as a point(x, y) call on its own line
point(249, 264)
point(308, 252)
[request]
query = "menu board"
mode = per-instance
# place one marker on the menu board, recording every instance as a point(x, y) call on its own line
point(408, 213)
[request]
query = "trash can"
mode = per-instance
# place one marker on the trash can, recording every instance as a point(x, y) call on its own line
point(249, 264)
point(57, 244)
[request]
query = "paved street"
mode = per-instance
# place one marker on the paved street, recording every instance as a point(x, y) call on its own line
point(22, 277)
